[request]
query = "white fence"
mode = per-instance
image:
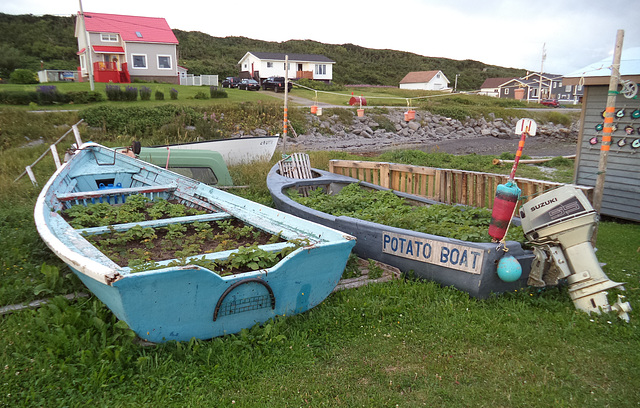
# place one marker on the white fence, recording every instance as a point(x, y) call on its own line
point(199, 80)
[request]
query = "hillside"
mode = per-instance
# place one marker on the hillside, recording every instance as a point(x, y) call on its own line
point(27, 40)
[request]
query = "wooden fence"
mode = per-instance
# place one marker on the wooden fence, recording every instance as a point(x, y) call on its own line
point(448, 186)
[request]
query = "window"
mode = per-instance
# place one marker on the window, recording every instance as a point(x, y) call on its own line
point(567, 88)
point(83, 64)
point(109, 37)
point(321, 69)
point(138, 34)
point(269, 64)
point(286, 66)
point(506, 91)
point(579, 88)
point(164, 62)
point(139, 61)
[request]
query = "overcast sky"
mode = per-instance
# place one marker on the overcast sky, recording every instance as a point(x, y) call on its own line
point(509, 33)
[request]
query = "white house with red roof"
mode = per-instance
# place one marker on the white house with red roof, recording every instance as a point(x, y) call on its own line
point(425, 80)
point(121, 48)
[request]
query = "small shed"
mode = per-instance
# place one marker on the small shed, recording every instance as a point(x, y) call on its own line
point(621, 194)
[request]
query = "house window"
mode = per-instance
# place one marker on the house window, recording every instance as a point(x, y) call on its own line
point(164, 62)
point(139, 61)
point(109, 37)
point(269, 64)
point(567, 88)
point(83, 64)
point(286, 66)
point(506, 91)
point(244, 66)
point(579, 88)
point(321, 69)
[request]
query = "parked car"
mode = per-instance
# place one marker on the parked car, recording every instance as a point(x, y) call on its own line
point(230, 82)
point(249, 85)
point(550, 102)
point(275, 83)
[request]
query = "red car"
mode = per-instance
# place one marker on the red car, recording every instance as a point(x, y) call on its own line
point(550, 102)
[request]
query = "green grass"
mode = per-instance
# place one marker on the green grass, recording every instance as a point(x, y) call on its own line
point(402, 343)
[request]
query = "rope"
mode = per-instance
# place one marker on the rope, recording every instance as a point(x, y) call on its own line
point(378, 97)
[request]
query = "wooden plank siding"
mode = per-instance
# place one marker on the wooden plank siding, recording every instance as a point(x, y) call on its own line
point(621, 194)
point(446, 185)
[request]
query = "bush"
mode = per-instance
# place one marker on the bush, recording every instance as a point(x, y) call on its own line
point(49, 94)
point(18, 97)
point(137, 120)
point(130, 94)
point(201, 95)
point(23, 76)
point(215, 93)
point(145, 93)
point(114, 93)
point(159, 95)
point(173, 93)
point(82, 97)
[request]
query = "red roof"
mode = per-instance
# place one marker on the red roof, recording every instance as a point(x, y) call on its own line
point(131, 28)
point(108, 49)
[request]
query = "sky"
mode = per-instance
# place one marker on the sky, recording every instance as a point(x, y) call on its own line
point(508, 33)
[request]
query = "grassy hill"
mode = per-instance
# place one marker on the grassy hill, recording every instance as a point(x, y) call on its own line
point(33, 42)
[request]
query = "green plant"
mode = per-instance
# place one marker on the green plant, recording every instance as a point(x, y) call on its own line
point(23, 76)
point(214, 93)
point(173, 93)
point(159, 95)
point(201, 95)
point(145, 93)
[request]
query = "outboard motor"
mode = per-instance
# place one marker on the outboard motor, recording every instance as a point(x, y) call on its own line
point(559, 224)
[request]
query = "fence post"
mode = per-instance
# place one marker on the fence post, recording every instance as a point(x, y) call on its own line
point(384, 175)
point(76, 133)
point(56, 158)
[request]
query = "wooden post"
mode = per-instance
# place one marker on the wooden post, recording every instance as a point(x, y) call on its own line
point(608, 122)
point(286, 95)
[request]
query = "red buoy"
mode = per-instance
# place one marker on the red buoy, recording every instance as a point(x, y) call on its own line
point(503, 207)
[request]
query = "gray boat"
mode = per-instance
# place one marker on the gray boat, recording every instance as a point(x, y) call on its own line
point(467, 266)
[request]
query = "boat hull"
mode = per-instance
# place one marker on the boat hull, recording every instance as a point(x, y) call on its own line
point(468, 266)
point(236, 150)
point(183, 302)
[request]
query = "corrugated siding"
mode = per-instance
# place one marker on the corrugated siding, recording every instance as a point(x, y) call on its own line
point(621, 195)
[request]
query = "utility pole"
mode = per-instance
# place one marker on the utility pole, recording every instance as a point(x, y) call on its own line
point(455, 87)
point(544, 57)
point(88, 50)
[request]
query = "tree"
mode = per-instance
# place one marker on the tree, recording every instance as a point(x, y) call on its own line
point(10, 59)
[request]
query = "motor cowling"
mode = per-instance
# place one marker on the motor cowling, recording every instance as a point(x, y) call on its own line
point(560, 223)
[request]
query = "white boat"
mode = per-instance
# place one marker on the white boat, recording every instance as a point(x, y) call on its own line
point(236, 150)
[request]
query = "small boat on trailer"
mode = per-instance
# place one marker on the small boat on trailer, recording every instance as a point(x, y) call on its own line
point(468, 266)
point(185, 301)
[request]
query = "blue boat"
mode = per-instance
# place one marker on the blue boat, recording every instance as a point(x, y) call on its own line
point(186, 301)
point(468, 266)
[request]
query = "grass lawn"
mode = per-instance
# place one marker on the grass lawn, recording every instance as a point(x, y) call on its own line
point(403, 343)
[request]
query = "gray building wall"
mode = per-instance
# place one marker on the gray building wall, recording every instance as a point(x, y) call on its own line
point(621, 195)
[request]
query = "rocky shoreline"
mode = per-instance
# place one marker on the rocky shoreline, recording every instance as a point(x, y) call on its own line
point(388, 131)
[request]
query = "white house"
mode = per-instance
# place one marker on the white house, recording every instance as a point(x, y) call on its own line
point(425, 80)
point(118, 48)
point(261, 65)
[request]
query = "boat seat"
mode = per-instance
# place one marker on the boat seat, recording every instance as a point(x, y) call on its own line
point(115, 194)
point(296, 165)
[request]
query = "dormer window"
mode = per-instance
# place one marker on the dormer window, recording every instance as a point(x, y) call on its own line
point(138, 34)
point(107, 37)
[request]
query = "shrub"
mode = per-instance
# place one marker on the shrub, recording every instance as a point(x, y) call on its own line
point(82, 97)
point(49, 94)
point(173, 93)
point(215, 93)
point(18, 97)
point(137, 120)
point(130, 94)
point(145, 93)
point(23, 76)
point(201, 95)
point(114, 93)
point(159, 95)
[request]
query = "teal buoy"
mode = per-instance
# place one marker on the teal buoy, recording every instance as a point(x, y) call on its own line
point(509, 269)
